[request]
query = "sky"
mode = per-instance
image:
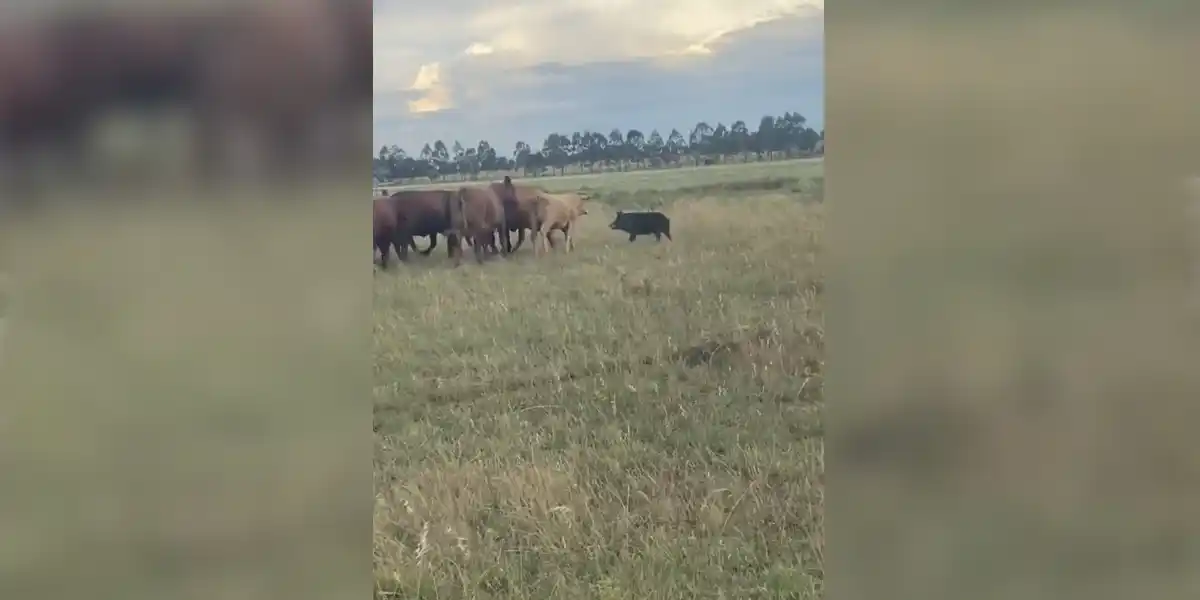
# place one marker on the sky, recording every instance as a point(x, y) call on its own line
point(518, 70)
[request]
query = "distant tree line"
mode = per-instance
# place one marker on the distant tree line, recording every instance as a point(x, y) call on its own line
point(787, 136)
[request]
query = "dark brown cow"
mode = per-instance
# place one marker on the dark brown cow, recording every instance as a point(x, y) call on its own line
point(58, 74)
point(32, 109)
point(299, 73)
point(385, 214)
point(287, 68)
point(477, 214)
point(86, 62)
point(383, 221)
point(422, 213)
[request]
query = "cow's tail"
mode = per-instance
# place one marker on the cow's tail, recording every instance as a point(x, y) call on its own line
point(502, 231)
point(456, 217)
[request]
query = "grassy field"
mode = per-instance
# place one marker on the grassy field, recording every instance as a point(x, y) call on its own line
point(631, 420)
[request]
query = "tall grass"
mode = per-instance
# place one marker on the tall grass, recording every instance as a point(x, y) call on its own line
point(630, 420)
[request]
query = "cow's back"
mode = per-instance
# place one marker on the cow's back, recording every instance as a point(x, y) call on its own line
point(556, 210)
point(423, 211)
point(572, 201)
point(481, 207)
point(519, 202)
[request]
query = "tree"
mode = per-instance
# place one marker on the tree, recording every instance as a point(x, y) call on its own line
point(441, 156)
point(555, 150)
point(655, 146)
point(765, 139)
point(487, 156)
point(698, 141)
point(459, 158)
point(739, 138)
point(616, 147)
point(599, 148)
point(635, 144)
point(675, 142)
point(788, 134)
point(719, 141)
point(521, 154)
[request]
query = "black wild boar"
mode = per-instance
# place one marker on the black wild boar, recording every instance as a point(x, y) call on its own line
point(642, 223)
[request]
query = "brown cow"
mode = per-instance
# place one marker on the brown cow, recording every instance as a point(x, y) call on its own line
point(288, 70)
point(555, 212)
point(518, 203)
point(60, 72)
point(422, 213)
point(388, 214)
point(477, 214)
point(383, 221)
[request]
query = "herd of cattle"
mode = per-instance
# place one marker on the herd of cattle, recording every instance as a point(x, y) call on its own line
point(484, 216)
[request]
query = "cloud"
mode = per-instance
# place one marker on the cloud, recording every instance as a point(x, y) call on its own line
point(571, 65)
point(435, 96)
point(478, 49)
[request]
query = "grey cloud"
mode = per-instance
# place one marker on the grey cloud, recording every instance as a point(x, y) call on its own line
point(772, 68)
point(442, 9)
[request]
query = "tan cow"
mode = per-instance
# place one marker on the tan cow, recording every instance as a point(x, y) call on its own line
point(477, 214)
point(555, 212)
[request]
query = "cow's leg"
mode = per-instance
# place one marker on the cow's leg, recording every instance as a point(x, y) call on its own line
point(632, 236)
point(494, 242)
point(402, 242)
point(567, 235)
point(384, 250)
point(520, 239)
point(477, 247)
point(454, 249)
